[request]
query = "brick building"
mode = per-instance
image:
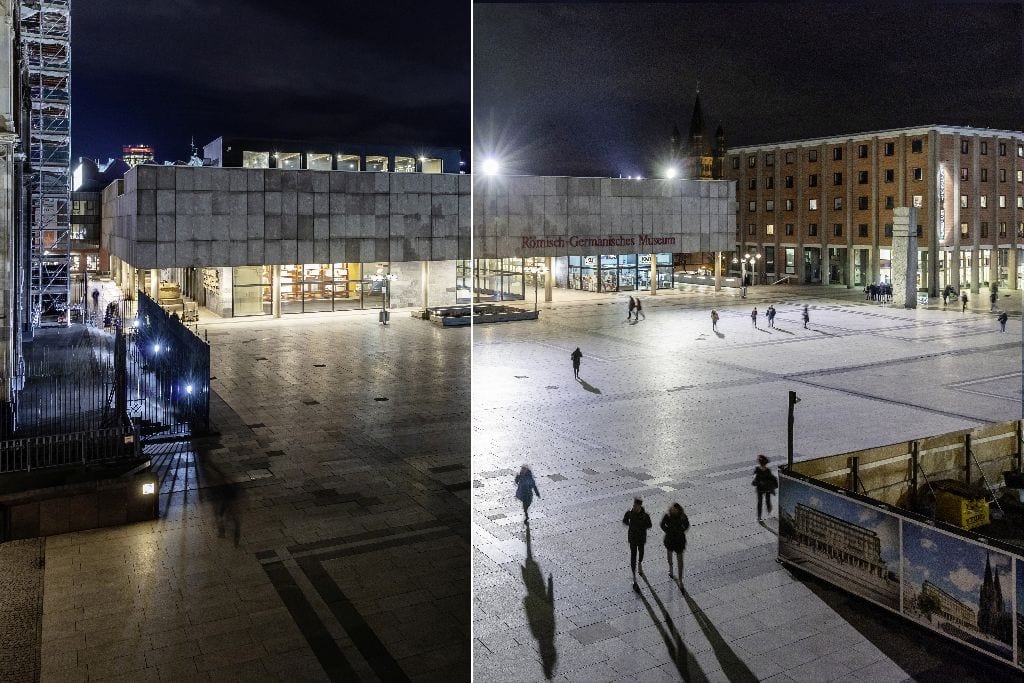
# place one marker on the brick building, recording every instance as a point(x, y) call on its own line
point(820, 210)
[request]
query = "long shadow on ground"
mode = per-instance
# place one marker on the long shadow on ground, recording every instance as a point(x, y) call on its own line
point(539, 605)
point(732, 665)
point(689, 668)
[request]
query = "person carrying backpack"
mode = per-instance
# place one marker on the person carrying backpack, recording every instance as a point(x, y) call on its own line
point(765, 483)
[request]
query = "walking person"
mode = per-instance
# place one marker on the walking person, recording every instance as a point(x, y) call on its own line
point(994, 296)
point(632, 306)
point(526, 486)
point(753, 316)
point(806, 316)
point(771, 316)
point(675, 524)
point(714, 320)
point(96, 300)
point(1002, 321)
point(640, 310)
point(765, 482)
point(576, 356)
point(638, 521)
point(963, 300)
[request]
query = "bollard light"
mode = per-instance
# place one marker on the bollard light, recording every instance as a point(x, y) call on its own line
point(148, 489)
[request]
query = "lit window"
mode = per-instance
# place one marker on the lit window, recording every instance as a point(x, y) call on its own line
point(963, 201)
point(1002, 229)
point(964, 173)
point(984, 201)
point(429, 165)
point(348, 162)
point(789, 205)
point(752, 205)
point(318, 162)
point(918, 201)
point(812, 204)
point(964, 231)
point(769, 229)
point(1002, 201)
point(1020, 150)
point(837, 203)
point(289, 161)
point(1020, 176)
point(255, 159)
point(1020, 202)
point(377, 163)
point(405, 165)
point(769, 205)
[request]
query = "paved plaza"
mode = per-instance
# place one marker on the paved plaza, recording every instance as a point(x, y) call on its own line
point(321, 534)
point(668, 410)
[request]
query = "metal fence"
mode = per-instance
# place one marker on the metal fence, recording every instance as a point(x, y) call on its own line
point(61, 450)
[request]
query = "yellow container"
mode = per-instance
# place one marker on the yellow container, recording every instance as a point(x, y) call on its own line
point(966, 513)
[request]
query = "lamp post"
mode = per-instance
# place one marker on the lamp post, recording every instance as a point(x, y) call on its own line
point(536, 271)
point(747, 258)
point(384, 279)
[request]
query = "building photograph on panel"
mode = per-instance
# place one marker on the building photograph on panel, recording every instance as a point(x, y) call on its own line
point(235, 431)
point(720, 242)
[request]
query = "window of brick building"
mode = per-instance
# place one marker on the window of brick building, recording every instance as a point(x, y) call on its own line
point(1002, 149)
point(965, 146)
point(812, 230)
point(862, 230)
point(769, 205)
point(1020, 229)
point(889, 149)
point(752, 184)
point(918, 173)
point(984, 229)
point(769, 183)
point(984, 147)
point(1002, 201)
point(812, 180)
point(790, 157)
point(837, 203)
point(920, 230)
point(1002, 228)
point(837, 229)
point(1020, 150)
point(751, 229)
point(890, 175)
point(812, 204)
point(837, 178)
point(837, 153)
point(984, 201)
point(769, 159)
point(1020, 202)
point(862, 151)
point(812, 155)
point(963, 201)
point(751, 161)
point(984, 175)
point(1002, 175)
point(918, 200)
point(789, 205)
point(769, 229)
point(889, 201)
point(735, 162)
point(789, 228)
point(964, 173)
point(752, 206)
point(1020, 176)
point(862, 203)
point(916, 145)
point(862, 177)
point(789, 181)
point(964, 230)
point(888, 230)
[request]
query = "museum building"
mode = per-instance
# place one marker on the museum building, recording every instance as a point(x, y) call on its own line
point(821, 210)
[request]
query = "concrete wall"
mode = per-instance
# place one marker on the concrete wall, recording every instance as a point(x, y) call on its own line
point(181, 216)
point(522, 216)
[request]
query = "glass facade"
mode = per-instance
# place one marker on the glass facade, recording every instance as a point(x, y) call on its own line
point(307, 288)
point(405, 165)
point(429, 165)
point(622, 273)
point(255, 159)
point(499, 280)
point(376, 163)
point(348, 162)
point(289, 161)
point(318, 162)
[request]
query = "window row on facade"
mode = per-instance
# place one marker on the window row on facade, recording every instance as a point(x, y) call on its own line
point(864, 203)
point(1001, 229)
point(340, 162)
point(889, 175)
point(888, 149)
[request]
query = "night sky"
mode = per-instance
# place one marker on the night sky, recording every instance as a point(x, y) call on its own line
point(161, 71)
point(594, 89)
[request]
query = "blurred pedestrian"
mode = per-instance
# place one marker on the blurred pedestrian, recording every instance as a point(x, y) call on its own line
point(753, 316)
point(640, 310)
point(638, 521)
point(1002, 321)
point(675, 524)
point(714, 320)
point(632, 306)
point(576, 356)
point(806, 316)
point(765, 482)
point(771, 316)
point(526, 486)
point(963, 300)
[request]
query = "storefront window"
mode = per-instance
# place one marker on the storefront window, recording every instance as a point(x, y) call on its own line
point(498, 280)
point(405, 165)
point(249, 290)
point(255, 159)
point(429, 165)
point(318, 162)
point(376, 164)
point(289, 161)
point(348, 162)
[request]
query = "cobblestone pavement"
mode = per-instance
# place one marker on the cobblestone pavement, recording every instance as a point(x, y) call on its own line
point(668, 410)
point(322, 534)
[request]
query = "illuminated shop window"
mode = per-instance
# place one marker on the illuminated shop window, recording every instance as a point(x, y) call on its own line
point(376, 163)
point(348, 162)
point(429, 165)
point(405, 165)
point(318, 162)
point(289, 161)
point(255, 159)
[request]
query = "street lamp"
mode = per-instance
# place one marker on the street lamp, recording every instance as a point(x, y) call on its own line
point(671, 172)
point(535, 271)
point(747, 258)
point(490, 167)
point(384, 279)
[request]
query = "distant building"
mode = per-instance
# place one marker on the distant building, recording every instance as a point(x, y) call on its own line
point(950, 608)
point(993, 616)
point(133, 155)
point(88, 180)
point(695, 158)
point(842, 541)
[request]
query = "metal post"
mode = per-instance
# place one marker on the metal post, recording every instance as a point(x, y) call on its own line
point(793, 400)
point(548, 279)
point(1020, 443)
point(275, 291)
point(915, 456)
point(535, 276)
point(967, 459)
point(743, 279)
point(654, 274)
point(718, 271)
point(855, 473)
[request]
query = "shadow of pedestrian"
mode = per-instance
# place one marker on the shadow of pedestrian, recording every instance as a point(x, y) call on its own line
point(592, 389)
point(225, 497)
point(688, 667)
point(765, 525)
point(779, 329)
point(539, 605)
point(720, 335)
point(733, 667)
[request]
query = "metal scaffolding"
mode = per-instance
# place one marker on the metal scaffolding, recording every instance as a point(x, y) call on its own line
point(45, 35)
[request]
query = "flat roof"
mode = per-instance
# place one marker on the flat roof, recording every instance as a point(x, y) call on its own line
point(916, 130)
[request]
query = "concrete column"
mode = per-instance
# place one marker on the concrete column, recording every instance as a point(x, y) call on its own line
point(424, 275)
point(850, 265)
point(904, 257)
point(549, 277)
point(718, 271)
point(654, 274)
point(1011, 266)
point(993, 266)
point(154, 284)
point(275, 291)
point(975, 270)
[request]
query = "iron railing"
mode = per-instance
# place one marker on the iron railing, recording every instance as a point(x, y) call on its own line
point(63, 450)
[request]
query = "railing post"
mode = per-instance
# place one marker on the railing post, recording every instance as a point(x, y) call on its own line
point(1020, 443)
point(854, 463)
point(967, 459)
point(915, 455)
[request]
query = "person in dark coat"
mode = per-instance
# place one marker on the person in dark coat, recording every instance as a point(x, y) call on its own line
point(675, 524)
point(714, 320)
point(1002, 321)
point(771, 316)
point(765, 483)
point(632, 307)
point(963, 300)
point(753, 316)
point(807, 316)
point(526, 486)
point(639, 310)
point(638, 521)
point(576, 356)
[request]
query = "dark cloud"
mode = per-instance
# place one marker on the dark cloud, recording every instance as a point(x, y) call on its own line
point(596, 88)
point(160, 71)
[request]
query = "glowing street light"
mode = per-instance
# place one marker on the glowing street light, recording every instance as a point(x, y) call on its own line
point(671, 172)
point(490, 167)
point(536, 271)
point(747, 258)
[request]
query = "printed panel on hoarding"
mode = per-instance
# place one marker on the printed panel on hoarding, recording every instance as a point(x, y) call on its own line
point(853, 546)
point(959, 588)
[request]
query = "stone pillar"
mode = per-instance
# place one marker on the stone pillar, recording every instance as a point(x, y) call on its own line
point(718, 271)
point(904, 257)
point(275, 291)
point(424, 276)
point(850, 265)
point(654, 274)
point(154, 284)
point(993, 266)
point(549, 277)
point(975, 270)
point(1011, 266)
